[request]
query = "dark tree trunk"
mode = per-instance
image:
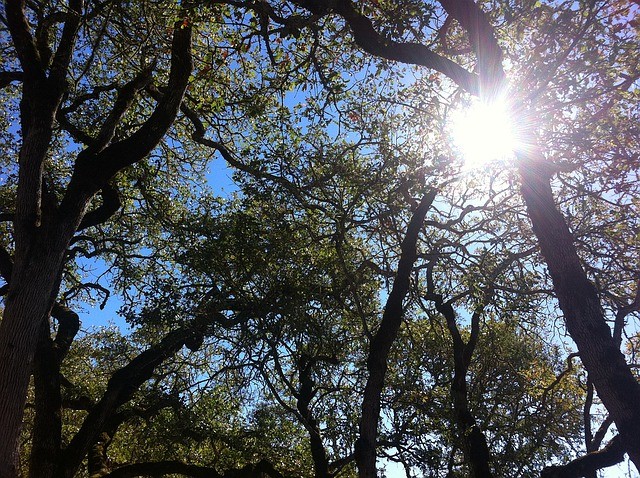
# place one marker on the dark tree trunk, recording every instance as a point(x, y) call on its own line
point(473, 441)
point(46, 441)
point(383, 340)
point(305, 394)
point(38, 257)
point(578, 298)
point(28, 304)
point(47, 427)
point(43, 229)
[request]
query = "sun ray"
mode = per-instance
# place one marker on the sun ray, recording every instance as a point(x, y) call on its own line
point(483, 132)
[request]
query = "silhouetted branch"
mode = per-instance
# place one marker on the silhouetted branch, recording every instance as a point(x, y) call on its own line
point(162, 468)
point(110, 205)
point(383, 340)
point(610, 455)
point(367, 38)
point(6, 77)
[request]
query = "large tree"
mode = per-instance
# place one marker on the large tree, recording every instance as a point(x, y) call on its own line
point(355, 235)
point(591, 25)
point(48, 60)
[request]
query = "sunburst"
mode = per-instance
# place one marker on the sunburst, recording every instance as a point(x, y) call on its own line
point(483, 132)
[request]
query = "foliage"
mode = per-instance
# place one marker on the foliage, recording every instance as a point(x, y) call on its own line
point(253, 312)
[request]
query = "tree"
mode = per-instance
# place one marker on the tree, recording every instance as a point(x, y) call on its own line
point(577, 296)
point(44, 223)
point(348, 234)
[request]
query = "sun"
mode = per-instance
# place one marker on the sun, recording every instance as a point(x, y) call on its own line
point(483, 132)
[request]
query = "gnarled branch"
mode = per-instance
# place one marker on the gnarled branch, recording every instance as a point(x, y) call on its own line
point(371, 41)
point(610, 455)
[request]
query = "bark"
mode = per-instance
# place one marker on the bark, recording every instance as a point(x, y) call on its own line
point(578, 298)
point(38, 259)
point(484, 43)
point(474, 443)
point(46, 442)
point(383, 340)
point(98, 463)
point(586, 418)
point(28, 304)
point(42, 236)
point(6, 77)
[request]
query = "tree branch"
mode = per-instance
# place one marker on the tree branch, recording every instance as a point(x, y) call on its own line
point(43, 32)
point(162, 468)
point(110, 205)
point(473, 439)
point(23, 40)
point(128, 151)
point(483, 40)
point(199, 136)
point(306, 392)
point(63, 54)
point(46, 438)
point(124, 100)
point(6, 77)
point(622, 313)
point(6, 264)
point(610, 455)
point(383, 340)
point(93, 171)
point(68, 320)
point(367, 38)
point(121, 387)
point(68, 326)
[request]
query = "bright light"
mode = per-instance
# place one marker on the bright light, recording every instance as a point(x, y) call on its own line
point(483, 133)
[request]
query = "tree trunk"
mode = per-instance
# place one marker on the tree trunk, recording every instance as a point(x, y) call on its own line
point(28, 304)
point(47, 428)
point(43, 229)
point(578, 298)
point(383, 340)
point(474, 443)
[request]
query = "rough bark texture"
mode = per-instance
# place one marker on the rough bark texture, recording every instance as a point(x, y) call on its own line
point(46, 443)
point(43, 229)
point(97, 462)
point(383, 340)
point(20, 328)
point(38, 256)
point(47, 427)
